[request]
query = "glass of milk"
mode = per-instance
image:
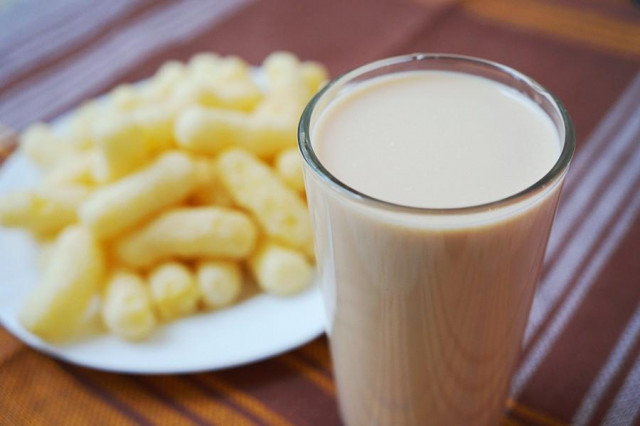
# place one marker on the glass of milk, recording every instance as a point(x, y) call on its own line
point(432, 182)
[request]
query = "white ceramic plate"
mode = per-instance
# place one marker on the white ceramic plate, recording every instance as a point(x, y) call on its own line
point(257, 328)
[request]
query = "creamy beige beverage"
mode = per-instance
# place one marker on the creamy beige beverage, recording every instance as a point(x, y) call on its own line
point(426, 309)
point(436, 139)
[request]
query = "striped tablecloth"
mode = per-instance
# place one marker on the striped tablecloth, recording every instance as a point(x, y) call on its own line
point(581, 359)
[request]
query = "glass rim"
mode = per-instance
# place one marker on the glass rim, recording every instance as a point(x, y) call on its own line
point(559, 168)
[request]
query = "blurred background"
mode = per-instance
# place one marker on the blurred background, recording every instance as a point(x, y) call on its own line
point(581, 360)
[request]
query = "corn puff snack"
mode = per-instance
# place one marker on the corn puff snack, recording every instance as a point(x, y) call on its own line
point(122, 147)
point(70, 280)
point(116, 207)
point(158, 199)
point(45, 211)
point(237, 95)
point(208, 189)
point(220, 282)
point(280, 270)
point(126, 310)
point(209, 131)
point(78, 133)
point(42, 146)
point(288, 165)
point(174, 291)
point(156, 122)
point(76, 168)
point(189, 233)
point(291, 85)
point(279, 211)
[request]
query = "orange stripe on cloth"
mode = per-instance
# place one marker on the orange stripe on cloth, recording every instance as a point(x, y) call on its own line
point(533, 415)
point(36, 390)
point(191, 401)
point(127, 391)
point(309, 373)
point(507, 421)
point(566, 22)
point(9, 345)
point(247, 402)
point(318, 351)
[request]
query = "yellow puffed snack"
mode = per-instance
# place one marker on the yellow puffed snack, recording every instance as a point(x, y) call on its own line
point(241, 95)
point(209, 190)
point(189, 233)
point(203, 64)
point(72, 277)
point(122, 146)
point(168, 75)
point(77, 131)
point(315, 75)
point(76, 168)
point(280, 270)
point(174, 291)
point(288, 165)
point(216, 69)
point(287, 94)
point(42, 146)
point(156, 122)
point(118, 206)
point(150, 92)
point(283, 72)
point(43, 211)
point(291, 85)
point(124, 97)
point(126, 307)
point(209, 131)
point(220, 282)
point(280, 212)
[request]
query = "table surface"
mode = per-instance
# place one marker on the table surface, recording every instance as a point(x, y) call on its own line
point(581, 358)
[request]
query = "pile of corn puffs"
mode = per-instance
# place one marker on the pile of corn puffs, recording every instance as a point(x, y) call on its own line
point(159, 199)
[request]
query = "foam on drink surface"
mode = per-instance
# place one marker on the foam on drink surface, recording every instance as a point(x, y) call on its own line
point(435, 139)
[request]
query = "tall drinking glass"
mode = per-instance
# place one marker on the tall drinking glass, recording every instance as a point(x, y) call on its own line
point(426, 307)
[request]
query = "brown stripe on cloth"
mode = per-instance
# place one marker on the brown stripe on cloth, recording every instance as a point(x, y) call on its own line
point(530, 416)
point(9, 345)
point(625, 408)
point(568, 70)
point(584, 223)
point(191, 401)
point(40, 55)
point(35, 390)
point(587, 340)
point(318, 352)
point(8, 142)
point(601, 231)
point(611, 377)
point(613, 8)
point(125, 390)
point(106, 397)
point(570, 23)
point(338, 34)
point(95, 69)
point(318, 378)
point(217, 388)
point(577, 227)
point(283, 390)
